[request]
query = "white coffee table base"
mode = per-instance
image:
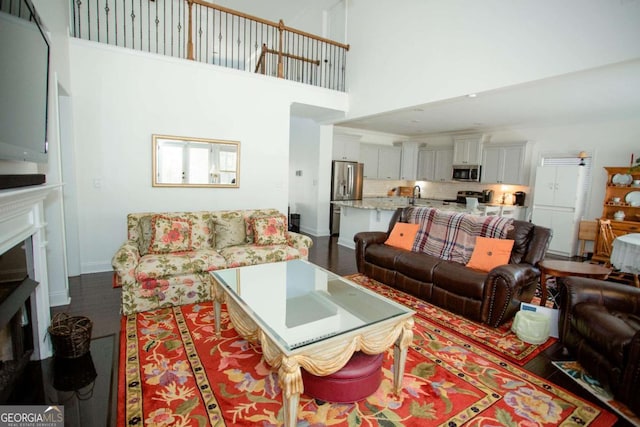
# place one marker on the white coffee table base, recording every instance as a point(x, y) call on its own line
point(322, 358)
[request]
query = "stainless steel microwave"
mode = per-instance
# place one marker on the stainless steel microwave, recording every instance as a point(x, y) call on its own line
point(466, 173)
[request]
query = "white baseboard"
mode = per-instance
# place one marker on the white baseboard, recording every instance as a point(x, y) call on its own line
point(95, 267)
point(315, 232)
point(59, 298)
point(346, 243)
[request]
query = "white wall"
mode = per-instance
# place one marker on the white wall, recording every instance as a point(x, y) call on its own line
point(428, 50)
point(309, 194)
point(121, 97)
point(303, 190)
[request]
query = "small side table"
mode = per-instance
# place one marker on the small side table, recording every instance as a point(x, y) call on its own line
point(557, 268)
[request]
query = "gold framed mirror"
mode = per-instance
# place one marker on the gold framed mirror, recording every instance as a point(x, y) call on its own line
point(195, 162)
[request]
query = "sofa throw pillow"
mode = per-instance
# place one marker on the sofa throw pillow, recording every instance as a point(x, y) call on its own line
point(402, 235)
point(248, 219)
point(489, 253)
point(270, 230)
point(229, 231)
point(169, 235)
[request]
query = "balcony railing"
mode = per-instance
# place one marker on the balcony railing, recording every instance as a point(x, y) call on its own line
point(20, 8)
point(204, 32)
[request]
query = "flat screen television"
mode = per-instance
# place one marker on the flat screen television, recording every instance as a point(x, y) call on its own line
point(24, 84)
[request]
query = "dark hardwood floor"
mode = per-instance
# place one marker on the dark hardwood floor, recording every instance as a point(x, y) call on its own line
point(92, 295)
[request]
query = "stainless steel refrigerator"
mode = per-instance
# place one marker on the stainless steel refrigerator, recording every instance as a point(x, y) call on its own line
point(346, 184)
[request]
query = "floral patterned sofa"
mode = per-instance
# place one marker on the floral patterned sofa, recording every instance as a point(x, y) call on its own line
point(167, 257)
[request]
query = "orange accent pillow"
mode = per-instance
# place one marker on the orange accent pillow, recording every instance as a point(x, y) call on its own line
point(403, 235)
point(489, 253)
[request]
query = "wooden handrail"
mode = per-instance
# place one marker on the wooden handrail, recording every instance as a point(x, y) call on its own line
point(321, 39)
point(290, 56)
point(260, 64)
point(267, 22)
point(234, 12)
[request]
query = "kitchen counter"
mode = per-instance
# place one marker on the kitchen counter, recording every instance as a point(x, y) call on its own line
point(393, 203)
point(374, 214)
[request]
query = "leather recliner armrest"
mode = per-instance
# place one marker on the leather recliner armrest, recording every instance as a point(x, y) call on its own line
point(364, 239)
point(503, 283)
point(615, 296)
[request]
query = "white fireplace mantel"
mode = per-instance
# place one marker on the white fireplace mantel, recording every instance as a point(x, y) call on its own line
point(21, 217)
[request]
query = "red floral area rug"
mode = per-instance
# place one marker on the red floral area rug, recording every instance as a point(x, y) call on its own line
point(174, 372)
point(500, 341)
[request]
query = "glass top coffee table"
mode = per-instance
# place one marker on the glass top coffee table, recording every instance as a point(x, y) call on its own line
point(304, 316)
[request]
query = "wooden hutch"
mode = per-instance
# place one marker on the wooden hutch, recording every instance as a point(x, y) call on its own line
point(619, 184)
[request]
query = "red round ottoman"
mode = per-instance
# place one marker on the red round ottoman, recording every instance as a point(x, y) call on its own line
point(358, 379)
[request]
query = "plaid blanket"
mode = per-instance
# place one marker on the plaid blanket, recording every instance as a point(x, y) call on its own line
point(451, 235)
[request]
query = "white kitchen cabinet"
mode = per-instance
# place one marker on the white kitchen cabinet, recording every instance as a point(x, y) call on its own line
point(467, 150)
point(426, 164)
point(564, 225)
point(409, 164)
point(434, 164)
point(389, 159)
point(444, 164)
point(558, 203)
point(369, 158)
point(346, 147)
point(508, 211)
point(380, 161)
point(559, 186)
point(504, 164)
point(515, 212)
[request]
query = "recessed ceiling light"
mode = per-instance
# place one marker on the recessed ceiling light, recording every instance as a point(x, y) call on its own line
point(472, 95)
point(415, 121)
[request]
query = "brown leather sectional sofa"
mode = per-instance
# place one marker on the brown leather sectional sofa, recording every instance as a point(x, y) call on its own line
point(491, 298)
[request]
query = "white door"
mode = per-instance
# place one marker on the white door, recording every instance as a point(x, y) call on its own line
point(563, 224)
point(545, 186)
point(566, 188)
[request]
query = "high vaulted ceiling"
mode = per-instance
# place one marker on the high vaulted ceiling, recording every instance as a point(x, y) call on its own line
point(611, 92)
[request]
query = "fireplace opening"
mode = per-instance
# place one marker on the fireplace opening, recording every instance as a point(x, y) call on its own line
point(16, 336)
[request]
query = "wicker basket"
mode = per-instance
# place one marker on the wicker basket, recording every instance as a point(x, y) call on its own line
point(70, 336)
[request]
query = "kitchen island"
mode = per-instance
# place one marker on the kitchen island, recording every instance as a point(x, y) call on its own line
point(374, 214)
